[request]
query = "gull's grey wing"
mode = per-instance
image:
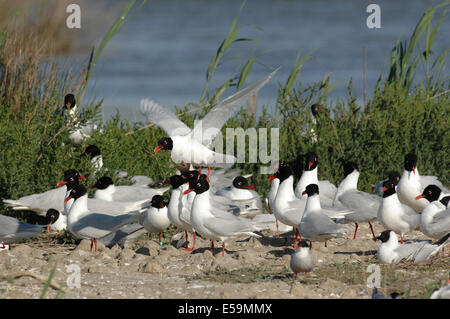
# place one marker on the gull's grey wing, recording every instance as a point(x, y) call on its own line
point(13, 229)
point(163, 118)
point(212, 123)
point(40, 203)
point(228, 227)
point(441, 223)
point(365, 205)
point(317, 224)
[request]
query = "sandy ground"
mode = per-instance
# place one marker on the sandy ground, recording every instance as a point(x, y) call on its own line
point(254, 268)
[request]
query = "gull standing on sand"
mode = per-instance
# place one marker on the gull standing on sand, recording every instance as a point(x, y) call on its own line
point(155, 219)
point(212, 221)
point(301, 260)
point(87, 224)
point(315, 224)
point(394, 215)
point(364, 205)
point(194, 145)
point(179, 208)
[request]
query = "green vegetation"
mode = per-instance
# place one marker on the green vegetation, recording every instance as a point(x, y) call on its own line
point(408, 111)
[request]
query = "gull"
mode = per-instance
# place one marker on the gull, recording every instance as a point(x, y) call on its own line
point(179, 207)
point(364, 205)
point(390, 252)
point(435, 217)
point(155, 219)
point(394, 215)
point(301, 260)
point(42, 202)
point(243, 193)
point(269, 202)
point(288, 208)
point(315, 224)
point(309, 176)
point(12, 230)
point(194, 145)
point(79, 132)
point(212, 221)
point(411, 184)
point(87, 224)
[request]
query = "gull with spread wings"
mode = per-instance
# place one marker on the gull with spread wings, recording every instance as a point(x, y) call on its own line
point(194, 145)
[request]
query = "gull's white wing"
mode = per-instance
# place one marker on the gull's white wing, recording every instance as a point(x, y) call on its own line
point(163, 118)
point(212, 123)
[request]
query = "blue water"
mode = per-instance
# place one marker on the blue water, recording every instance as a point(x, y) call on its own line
point(164, 51)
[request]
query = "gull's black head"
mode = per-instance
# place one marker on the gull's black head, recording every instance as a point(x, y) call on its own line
point(311, 161)
point(394, 176)
point(388, 188)
point(384, 236)
point(69, 101)
point(176, 181)
point(158, 201)
point(78, 191)
point(431, 193)
point(199, 186)
point(410, 162)
point(92, 151)
point(242, 183)
point(190, 175)
point(165, 143)
point(52, 216)
point(103, 182)
point(349, 167)
point(71, 177)
point(284, 172)
point(311, 189)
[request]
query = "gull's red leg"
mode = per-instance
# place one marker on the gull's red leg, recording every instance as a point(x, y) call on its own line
point(371, 229)
point(401, 241)
point(95, 244)
point(356, 229)
point(193, 244)
point(223, 248)
point(92, 244)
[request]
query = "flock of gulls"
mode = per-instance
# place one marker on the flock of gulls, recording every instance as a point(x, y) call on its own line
point(219, 204)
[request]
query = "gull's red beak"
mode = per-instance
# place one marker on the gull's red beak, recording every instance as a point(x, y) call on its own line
point(414, 171)
point(271, 178)
point(304, 193)
point(384, 189)
point(309, 165)
point(250, 187)
point(61, 183)
point(92, 187)
point(158, 148)
point(188, 191)
point(420, 196)
point(67, 199)
point(68, 104)
point(82, 177)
